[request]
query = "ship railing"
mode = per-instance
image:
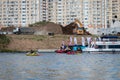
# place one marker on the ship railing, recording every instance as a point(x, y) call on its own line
point(107, 40)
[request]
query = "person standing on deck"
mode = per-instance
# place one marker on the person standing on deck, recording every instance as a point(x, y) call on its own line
point(75, 41)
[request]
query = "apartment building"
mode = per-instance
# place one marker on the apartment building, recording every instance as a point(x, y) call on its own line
point(92, 13)
point(19, 12)
point(116, 9)
point(95, 13)
point(65, 11)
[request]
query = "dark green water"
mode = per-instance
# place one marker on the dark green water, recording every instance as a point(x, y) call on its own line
point(51, 66)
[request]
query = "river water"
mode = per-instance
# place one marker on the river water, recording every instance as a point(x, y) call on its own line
point(52, 66)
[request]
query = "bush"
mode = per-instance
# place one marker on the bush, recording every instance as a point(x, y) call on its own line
point(42, 23)
point(4, 41)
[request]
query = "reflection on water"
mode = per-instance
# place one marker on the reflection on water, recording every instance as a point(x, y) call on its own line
point(51, 66)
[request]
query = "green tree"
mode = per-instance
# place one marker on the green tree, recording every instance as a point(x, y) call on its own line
point(4, 41)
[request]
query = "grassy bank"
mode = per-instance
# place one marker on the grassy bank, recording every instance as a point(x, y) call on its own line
point(12, 51)
point(35, 42)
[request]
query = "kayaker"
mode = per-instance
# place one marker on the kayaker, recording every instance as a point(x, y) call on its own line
point(63, 47)
point(31, 51)
point(67, 49)
point(79, 50)
point(75, 48)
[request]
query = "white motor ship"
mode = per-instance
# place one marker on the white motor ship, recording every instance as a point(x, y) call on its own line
point(106, 44)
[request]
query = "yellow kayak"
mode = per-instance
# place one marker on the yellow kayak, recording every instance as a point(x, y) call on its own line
point(32, 54)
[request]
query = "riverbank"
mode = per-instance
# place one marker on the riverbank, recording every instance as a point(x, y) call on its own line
point(35, 42)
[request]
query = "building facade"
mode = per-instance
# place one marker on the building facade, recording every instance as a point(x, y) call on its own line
point(92, 13)
point(19, 12)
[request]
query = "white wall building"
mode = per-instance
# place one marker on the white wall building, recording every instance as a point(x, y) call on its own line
point(19, 12)
point(92, 13)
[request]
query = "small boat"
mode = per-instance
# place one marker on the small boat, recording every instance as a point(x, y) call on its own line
point(74, 52)
point(32, 54)
point(60, 51)
point(70, 52)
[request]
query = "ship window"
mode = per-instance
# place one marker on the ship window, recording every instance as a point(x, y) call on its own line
point(101, 46)
point(114, 46)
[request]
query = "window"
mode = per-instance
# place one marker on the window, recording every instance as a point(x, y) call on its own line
point(23, 1)
point(101, 46)
point(86, 19)
point(114, 46)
